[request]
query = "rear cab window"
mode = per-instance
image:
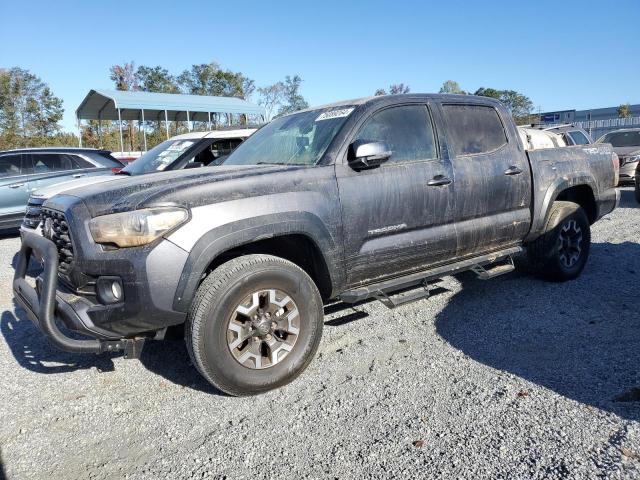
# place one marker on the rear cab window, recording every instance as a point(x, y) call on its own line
point(578, 137)
point(474, 129)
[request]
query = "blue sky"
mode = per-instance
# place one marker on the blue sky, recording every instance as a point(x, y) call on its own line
point(562, 54)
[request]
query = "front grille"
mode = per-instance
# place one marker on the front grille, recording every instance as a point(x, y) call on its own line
point(33, 215)
point(55, 228)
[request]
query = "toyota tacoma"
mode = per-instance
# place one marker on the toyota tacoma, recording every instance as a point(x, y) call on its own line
point(354, 200)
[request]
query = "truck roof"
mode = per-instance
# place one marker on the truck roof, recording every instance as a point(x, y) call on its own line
point(407, 96)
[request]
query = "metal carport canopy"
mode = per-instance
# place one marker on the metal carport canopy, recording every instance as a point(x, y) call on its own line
point(104, 105)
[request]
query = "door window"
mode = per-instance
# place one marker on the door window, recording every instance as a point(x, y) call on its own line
point(10, 165)
point(474, 129)
point(50, 162)
point(407, 130)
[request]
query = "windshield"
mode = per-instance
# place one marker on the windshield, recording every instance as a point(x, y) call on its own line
point(622, 139)
point(298, 139)
point(159, 157)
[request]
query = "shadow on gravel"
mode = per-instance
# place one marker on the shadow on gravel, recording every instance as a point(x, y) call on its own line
point(33, 352)
point(11, 233)
point(2, 474)
point(170, 359)
point(580, 339)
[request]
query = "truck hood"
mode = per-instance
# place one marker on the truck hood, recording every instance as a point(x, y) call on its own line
point(188, 188)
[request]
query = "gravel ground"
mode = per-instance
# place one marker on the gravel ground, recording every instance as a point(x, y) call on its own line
point(511, 378)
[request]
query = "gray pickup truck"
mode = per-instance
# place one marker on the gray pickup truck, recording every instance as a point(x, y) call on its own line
point(354, 200)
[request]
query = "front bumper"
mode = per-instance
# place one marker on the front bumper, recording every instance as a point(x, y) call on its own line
point(628, 172)
point(46, 305)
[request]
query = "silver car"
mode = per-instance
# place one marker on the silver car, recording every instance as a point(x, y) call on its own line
point(191, 150)
point(25, 170)
point(626, 143)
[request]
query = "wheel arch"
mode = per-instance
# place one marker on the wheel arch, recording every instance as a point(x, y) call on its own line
point(298, 237)
point(580, 189)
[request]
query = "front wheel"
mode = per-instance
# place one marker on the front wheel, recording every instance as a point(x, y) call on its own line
point(254, 325)
point(561, 252)
point(637, 186)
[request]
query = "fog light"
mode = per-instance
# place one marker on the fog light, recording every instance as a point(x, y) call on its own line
point(109, 290)
point(116, 289)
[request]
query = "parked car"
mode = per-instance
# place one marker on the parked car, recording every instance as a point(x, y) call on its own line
point(359, 199)
point(626, 143)
point(191, 150)
point(25, 170)
point(127, 157)
point(571, 134)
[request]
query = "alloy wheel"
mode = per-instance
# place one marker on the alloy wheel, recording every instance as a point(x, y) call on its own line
point(263, 329)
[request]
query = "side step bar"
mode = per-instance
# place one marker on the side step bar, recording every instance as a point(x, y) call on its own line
point(382, 290)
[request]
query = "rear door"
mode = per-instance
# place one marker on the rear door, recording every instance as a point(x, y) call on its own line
point(492, 193)
point(394, 221)
point(13, 187)
point(53, 168)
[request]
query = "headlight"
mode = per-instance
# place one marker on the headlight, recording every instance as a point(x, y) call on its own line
point(139, 227)
point(635, 158)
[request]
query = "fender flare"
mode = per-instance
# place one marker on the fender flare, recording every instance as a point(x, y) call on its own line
point(541, 214)
point(244, 232)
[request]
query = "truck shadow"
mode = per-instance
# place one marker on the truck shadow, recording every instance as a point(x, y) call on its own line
point(579, 339)
point(628, 199)
point(170, 359)
point(32, 350)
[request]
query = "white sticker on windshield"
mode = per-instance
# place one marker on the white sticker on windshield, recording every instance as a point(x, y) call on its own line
point(343, 112)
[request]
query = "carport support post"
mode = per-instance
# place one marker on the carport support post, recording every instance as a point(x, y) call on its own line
point(209, 124)
point(79, 131)
point(144, 132)
point(166, 123)
point(100, 130)
point(188, 122)
point(120, 126)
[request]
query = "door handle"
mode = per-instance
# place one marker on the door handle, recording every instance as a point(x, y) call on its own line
point(16, 185)
point(78, 175)
point(438, 181)
point(513, 170)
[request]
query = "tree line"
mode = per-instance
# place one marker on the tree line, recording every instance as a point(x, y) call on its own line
point(30, 113)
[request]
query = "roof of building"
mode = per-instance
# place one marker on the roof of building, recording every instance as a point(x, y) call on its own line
point(104, 105)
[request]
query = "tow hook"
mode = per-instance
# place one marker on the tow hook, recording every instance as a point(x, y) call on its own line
point(132, 347)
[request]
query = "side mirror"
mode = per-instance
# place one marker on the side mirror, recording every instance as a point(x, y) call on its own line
point(194, 165)
point(365, 154)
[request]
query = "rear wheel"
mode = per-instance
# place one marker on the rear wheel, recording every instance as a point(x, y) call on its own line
point(561, 252)
point(254, 325)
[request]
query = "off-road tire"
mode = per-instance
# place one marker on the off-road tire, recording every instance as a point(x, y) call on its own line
point(544, 252)
point(216, 300)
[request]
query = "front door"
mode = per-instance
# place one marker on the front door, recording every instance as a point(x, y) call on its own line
point(397, 217)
